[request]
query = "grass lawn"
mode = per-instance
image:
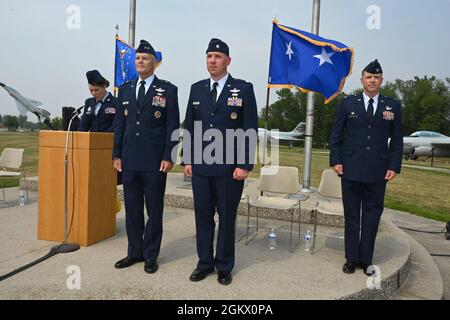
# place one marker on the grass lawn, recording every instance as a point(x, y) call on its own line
point(420, 192)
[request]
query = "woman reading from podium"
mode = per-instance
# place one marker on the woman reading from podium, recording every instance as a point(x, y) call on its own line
point(99, 111)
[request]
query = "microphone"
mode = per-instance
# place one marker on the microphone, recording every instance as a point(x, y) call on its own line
point(78, 111)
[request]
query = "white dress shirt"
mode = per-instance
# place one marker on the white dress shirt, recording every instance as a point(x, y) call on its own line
point(148, 83)
point(375, 102)
point(98, 104)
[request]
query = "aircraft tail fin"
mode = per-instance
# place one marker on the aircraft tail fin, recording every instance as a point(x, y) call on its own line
point(300, 128)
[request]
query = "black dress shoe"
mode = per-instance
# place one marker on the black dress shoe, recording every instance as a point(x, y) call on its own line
point(127, 262)
point(224, 277)
point(349, 267)
point(365, 268)
point(199, 275)
point(151, 266)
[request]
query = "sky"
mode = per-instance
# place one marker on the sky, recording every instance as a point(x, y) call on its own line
point(48, 45)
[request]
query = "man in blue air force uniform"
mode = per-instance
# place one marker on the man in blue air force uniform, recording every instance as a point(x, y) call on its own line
point(218, 103)
point(361, 155)
point(147, 115)
point(99, 111)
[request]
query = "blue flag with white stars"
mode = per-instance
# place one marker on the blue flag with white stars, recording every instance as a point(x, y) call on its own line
point(307, 61)
point(124, 66)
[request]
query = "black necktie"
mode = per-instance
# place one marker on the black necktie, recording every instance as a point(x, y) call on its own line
point(370, 110)
point(141, 94)
point(214, 94)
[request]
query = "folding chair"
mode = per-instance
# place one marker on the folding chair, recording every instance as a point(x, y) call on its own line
point(276, 183)
point(10, 159)
point(330, 190)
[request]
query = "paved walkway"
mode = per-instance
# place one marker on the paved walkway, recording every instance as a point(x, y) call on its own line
point(433, 243)
point(443, 170)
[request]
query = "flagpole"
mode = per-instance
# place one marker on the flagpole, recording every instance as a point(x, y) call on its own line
point(267, 115)
point(310, 111)
point(115, 57)
point(265, 127)
point(132, 32)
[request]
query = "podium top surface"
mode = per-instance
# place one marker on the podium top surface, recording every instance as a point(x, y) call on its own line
point(81, 140)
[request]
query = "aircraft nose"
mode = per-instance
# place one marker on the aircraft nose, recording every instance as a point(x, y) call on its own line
point(2, 84)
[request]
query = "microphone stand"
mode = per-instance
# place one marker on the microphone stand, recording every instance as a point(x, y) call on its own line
point(66, 247)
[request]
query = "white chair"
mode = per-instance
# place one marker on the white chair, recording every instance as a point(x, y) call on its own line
point(10, 163)
point(276, 184)
point(330, 190)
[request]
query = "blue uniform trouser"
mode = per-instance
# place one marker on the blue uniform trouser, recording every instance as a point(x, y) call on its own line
point(361, 226)
point(144, 239)
point(210, 193)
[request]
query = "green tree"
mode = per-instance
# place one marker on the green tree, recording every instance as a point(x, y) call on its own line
point(57, 123)
point(290, 109)
point(323, 119)
point(10, 122)
point(425, 103)
point(425, 106)
point(22, 120)
point(286, 112)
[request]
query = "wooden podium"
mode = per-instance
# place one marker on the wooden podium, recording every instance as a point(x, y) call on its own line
point(91, 187)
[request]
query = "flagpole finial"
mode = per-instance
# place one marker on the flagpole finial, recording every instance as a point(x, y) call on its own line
point(117, 30)
point(275, 15)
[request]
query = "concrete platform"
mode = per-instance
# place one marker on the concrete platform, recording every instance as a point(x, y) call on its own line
point(260, 273)
point(179, 195)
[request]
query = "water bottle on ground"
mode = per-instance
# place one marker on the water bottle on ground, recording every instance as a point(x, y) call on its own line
point(272, 239)
point(21, 198)
point(308, 241)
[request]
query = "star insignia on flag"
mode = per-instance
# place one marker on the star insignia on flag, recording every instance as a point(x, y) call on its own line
point(324, 57)
point(289, 51)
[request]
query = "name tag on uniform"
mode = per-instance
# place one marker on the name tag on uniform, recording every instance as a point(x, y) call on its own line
point(353, 115)
point(235, 102)
point(125, 103)
point(196, 103)
point(159, 101)
point(110, 110)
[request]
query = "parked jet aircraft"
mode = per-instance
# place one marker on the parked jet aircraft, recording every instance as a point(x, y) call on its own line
point(426, 143)
point(294, 135)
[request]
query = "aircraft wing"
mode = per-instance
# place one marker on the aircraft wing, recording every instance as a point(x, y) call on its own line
point(286, 138)
point(34, 103)
point(22, 109)
point(441, 145)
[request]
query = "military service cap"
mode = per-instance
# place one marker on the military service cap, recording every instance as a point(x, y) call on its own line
point(145, 47)
point(374, 67)
point(217, 45)
point(96, 79)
